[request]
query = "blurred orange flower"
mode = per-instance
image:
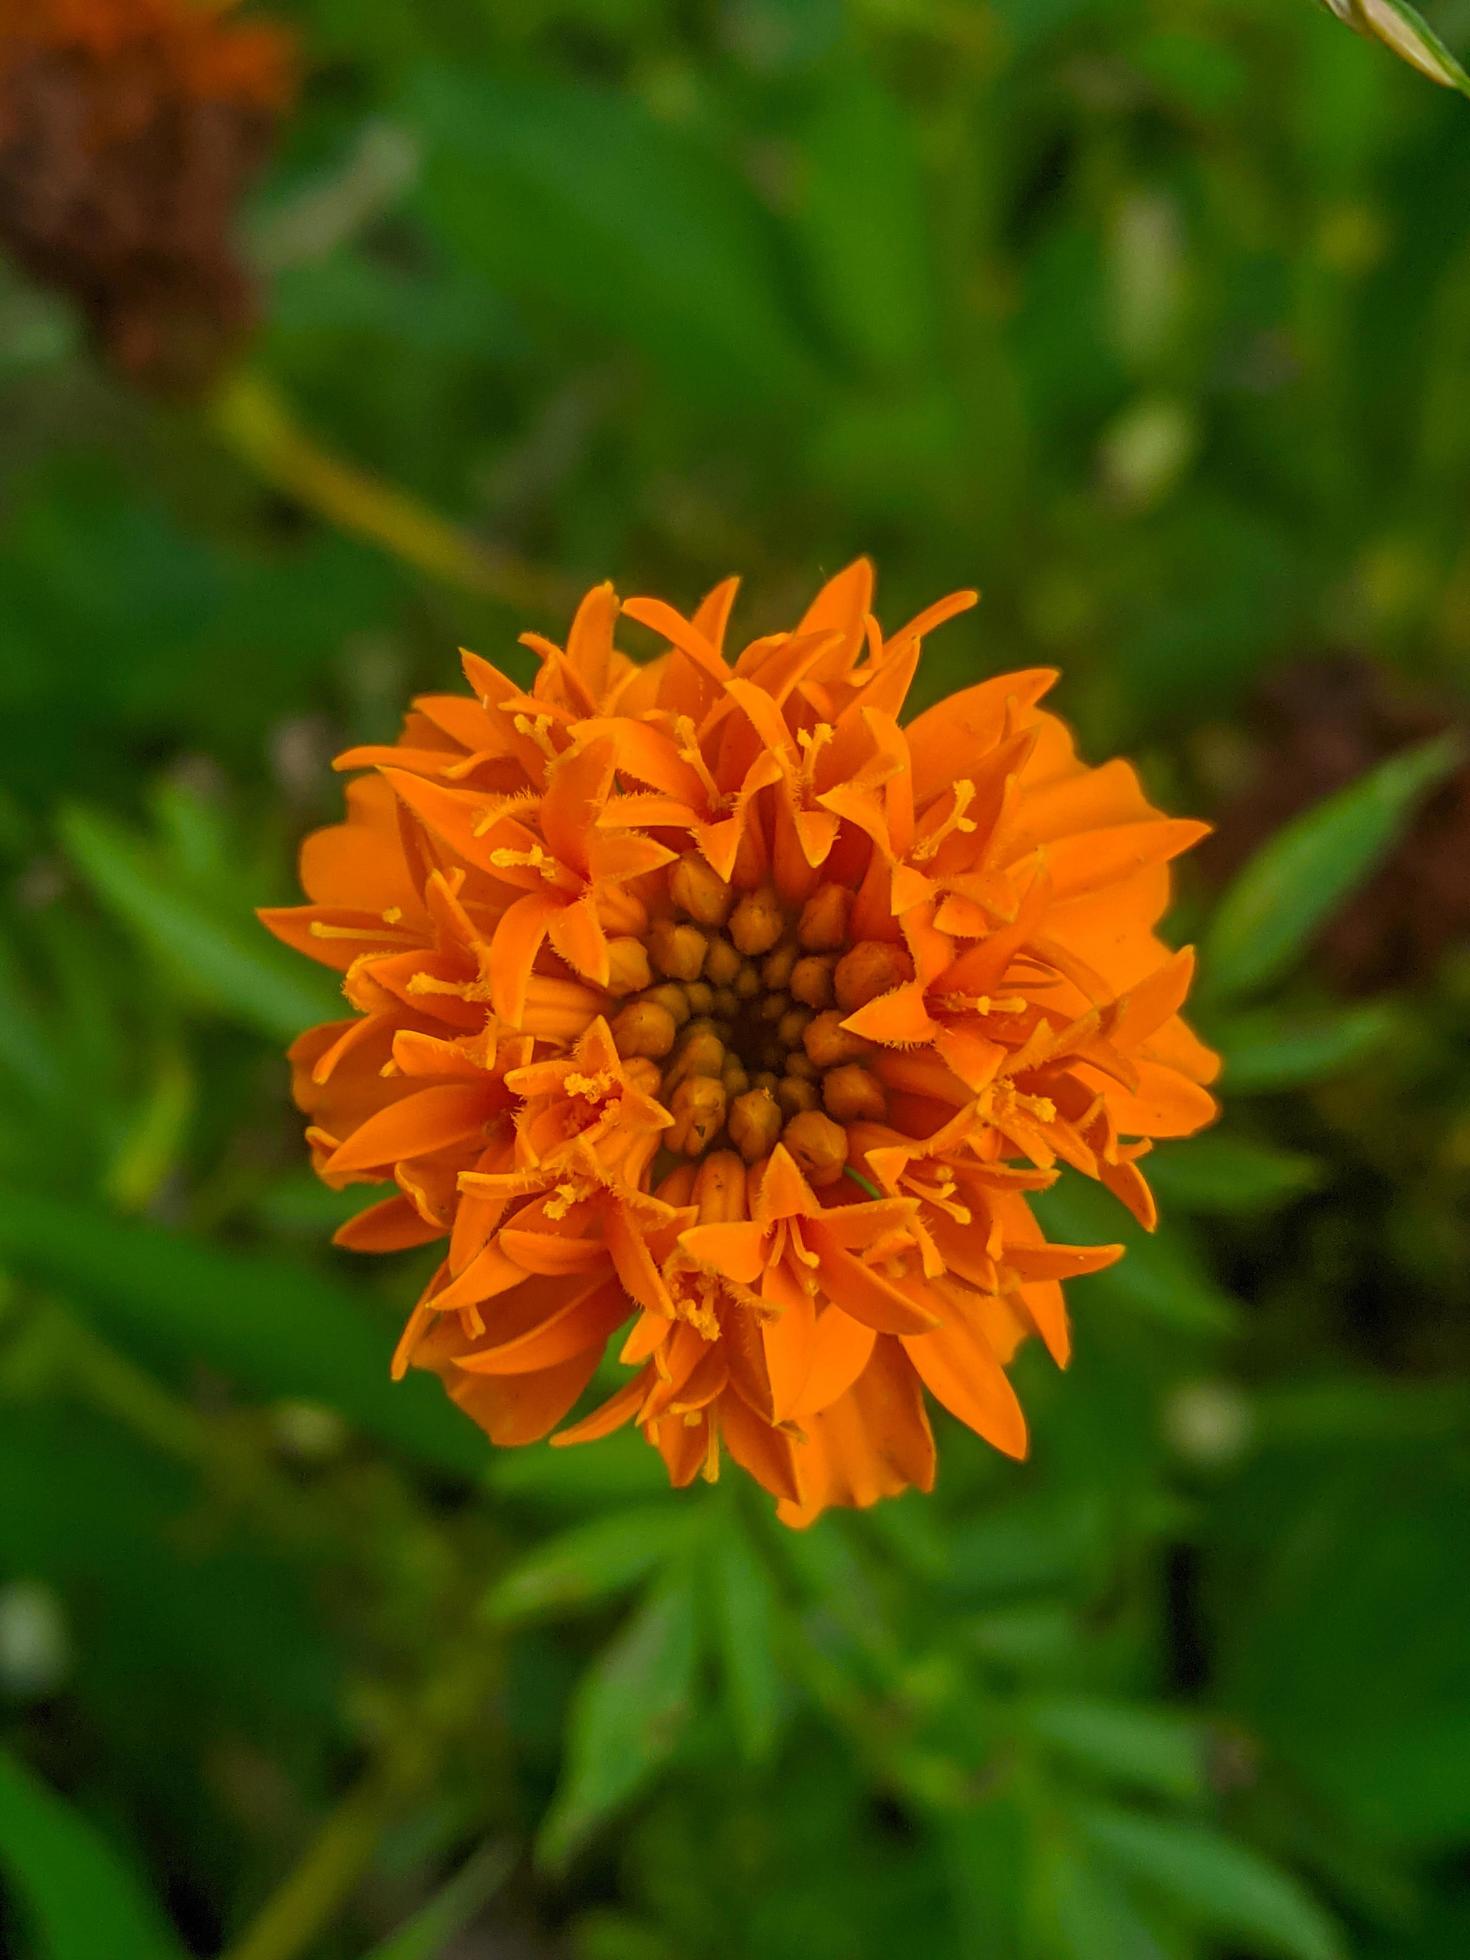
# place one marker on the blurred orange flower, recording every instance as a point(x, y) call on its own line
point(701, 1004)
point(129, 130)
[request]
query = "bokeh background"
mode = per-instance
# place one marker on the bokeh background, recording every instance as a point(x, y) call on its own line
point(1152, 320)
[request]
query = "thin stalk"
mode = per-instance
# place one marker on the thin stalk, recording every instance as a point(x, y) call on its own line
point(256, 423)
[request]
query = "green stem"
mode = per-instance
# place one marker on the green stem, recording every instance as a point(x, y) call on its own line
point(256, 423)
point(310, 1899)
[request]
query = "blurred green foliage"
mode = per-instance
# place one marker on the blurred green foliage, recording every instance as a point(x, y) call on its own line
point(1152, 319)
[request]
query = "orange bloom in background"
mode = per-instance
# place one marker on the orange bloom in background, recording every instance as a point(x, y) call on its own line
point(129, 130)
point(718, 1025)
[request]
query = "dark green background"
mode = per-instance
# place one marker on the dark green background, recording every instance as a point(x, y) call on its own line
point(1152, 320)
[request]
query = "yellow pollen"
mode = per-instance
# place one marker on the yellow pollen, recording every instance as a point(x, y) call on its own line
point(813, 741)
point(320, 930)
point(393, 916)
point(429, 983)
point(534, 859)
point(593, 1088)
point(981, 1003)
point(940, 1194)
point(537, 731)
point(964, 796)
point(889, 1248)
point(687, 737)
point(561, 1201)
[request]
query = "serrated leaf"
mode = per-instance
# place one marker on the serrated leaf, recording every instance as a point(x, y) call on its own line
point(1152, 1749)
point(1267, 1049)
point(276, 1328)
point(82, 1898)
point(590, 1562)
point(744, 1612)
point(223, 962)
point(627, 1718)
point(1223, 1886)
point(1269, 916)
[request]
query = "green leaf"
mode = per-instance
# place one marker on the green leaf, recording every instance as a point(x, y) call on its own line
point(1267, 919)
point(1160, 1278)
point(1404, 29)
point(1227, 1175)
point(1223, 1886)
point(433, 1927)
point(276, 1328)
point(223, 962)
point(590, 1562)
point(863, 219)
point(83, 1900)
point(1151, 1749)
point(745, 1614)
point(1087, 1910)
point(1266, 1049)
point(628, 1715)
point(578, 201)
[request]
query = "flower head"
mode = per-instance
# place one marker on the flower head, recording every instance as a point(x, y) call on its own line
point(128, 131)
point(721, 1026)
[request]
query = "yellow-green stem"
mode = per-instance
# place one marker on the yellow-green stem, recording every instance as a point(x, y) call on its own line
point(256, 422)
point(312, 1894)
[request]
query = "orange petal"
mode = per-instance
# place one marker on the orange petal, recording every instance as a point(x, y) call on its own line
point(392, 1226)
point(861, 1292)
point(946, 740)
point(513, 1410)
point(765, 1452)
point(840, 1350)
point(577, 788)
point(586, 1320)
point(619, 1408)
point(415, 1125)
point(890, 1404)
point(518, 939)
point(958, 1367)
point(736, 1249)
point(577, 934)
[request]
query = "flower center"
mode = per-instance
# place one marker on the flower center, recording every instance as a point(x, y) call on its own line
point(745, 1020)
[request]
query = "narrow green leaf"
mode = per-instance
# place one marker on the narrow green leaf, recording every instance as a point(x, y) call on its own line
point(597, 214)
point(590, 1562)
point(1223, 1886)
point(627, 1718)
point(1219, 1174)
point(745, 1615)
point(1266, 1049)
point(1267, 919)
point(226, 963)
point(1160, 1277)
point(275, 1328)
point(80, 1896)
point(428, 1934)
point(1086, 1910)
point(1153, 1749)
point(1404, 29)
point(862, 217)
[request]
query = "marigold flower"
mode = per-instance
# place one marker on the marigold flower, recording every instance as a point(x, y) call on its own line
point(129, 130)
point(800, 1221)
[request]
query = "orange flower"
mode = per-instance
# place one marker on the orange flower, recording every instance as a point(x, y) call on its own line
point(128, 131)
point(701, 1003)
